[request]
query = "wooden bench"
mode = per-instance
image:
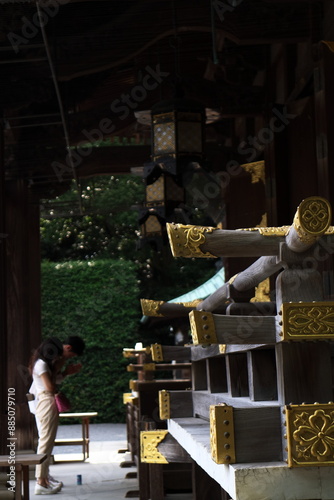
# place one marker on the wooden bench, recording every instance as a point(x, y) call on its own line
point(82, 441)
point(22, 463)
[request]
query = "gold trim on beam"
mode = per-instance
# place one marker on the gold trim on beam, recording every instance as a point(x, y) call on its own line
point(312, 219)
point(151, 307)
point(149, 441)
point(132, 353)
point(156, 351)
point(185, 240)
point(310, 434)
point(268, 231)
point(222, 434)
point(133, 385)
point(307, 321)
point(164, 405)
point(202, 327)
point(222, 348)
point(262, 292)
point(256, 169)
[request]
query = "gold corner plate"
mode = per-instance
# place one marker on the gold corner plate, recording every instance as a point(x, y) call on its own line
point(164, 405)
point(185, 240)
point(202, 327)
point(133, 385)
point(151, 307)
point(307, 321)
point(310, 440)
point(222, 434)
point(149, 441)
point(156, 351)
point(127, 397)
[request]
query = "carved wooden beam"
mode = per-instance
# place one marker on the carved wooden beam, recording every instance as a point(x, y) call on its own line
point(207, 328)
point(170, 352)
point(175, 404)
point(311, 221)
point(159, 308)
point(157, 366)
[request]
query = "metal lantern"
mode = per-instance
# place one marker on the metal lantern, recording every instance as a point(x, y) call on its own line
point(177, 133)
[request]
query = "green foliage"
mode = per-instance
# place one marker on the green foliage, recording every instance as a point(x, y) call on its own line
point(93, 279)
point(107, 226)
point(99, 301)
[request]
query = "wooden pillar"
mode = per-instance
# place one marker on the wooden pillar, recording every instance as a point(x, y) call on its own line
point(23, 299)
point(3, 329)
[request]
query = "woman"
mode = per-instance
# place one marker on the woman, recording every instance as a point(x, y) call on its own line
point(45, 366)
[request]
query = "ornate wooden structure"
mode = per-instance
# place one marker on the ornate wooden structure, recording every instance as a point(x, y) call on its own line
point(259, 420)
point(91, 72)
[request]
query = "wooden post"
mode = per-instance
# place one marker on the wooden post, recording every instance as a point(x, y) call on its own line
point(23, 298)
point(3, 315)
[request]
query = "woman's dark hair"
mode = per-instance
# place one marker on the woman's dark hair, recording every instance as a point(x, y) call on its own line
point(48, 350)
point(76, 343)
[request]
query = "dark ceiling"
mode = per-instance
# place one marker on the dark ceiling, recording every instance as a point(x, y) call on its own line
point(80, 72)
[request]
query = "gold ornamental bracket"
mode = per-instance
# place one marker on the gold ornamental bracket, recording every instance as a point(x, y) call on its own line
point(128, 397)
point(306, 321)
point(256, 169)
point(151, 307)
point(202, 327)
point(185, 240)
point(222, 434)
point(157, 354)
point(310, 434)
point(132, 353)
point(164, 405)
point(149, 441)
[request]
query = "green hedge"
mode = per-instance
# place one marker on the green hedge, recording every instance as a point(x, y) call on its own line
point(98, 300)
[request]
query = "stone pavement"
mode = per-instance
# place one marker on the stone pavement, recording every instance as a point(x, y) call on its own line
point(102, 476)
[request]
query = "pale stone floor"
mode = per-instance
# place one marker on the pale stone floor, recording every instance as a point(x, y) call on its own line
point(102, 475)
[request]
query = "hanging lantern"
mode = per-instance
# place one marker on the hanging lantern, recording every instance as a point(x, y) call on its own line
point(177, 134)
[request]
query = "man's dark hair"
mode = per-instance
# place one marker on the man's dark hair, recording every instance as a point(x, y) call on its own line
point(77, 344)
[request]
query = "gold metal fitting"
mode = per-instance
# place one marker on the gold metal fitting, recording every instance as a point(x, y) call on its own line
point(202, 327)
point(185, 240)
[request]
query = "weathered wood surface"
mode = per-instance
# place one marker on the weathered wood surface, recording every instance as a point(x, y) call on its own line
point(295, 285)
point(251, 309)
point(181, 404)
point(262, 377)
point(199, 352)
point(157, 366)
point(159, 385)
point(217, 375)
point(245, 280)
point(173, 451)
point(237, 375)
point(203, 399)
point(253, 481)
point(304, 372)
point(257, 434)
point(176, 353)
point(227, 243)
point(245, 329)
